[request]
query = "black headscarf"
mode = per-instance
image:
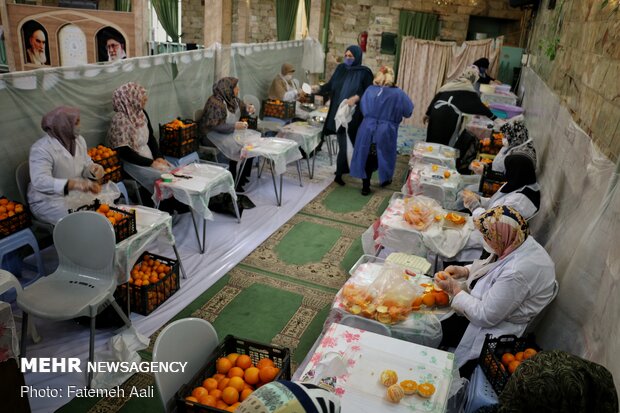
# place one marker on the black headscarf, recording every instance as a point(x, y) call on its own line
point(520, 171)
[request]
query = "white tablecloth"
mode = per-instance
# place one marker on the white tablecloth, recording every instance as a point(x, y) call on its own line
point(206, 181)
point(280, 151)
point(434, 153)
point(151, 224)
point(392, 231)
point(307, 137)
point(366, 356)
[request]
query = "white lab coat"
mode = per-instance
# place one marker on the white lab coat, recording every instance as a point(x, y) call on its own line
point(51, 165)
point(506, 299)
point(514, 199)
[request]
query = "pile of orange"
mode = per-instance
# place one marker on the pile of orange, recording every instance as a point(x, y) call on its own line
point(235, 380)
point(9, 208)
point(177, 124)
point(115, 217)
point(147, 272)
point(433, 296)
point(512, 361)
point(100, 153)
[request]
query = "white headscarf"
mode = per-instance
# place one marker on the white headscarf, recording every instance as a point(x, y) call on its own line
point(464, 82)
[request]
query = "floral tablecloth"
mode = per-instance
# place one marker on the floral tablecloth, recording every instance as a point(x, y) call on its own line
point(365, 356)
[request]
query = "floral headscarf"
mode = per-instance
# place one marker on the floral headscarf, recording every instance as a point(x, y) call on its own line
point(519, 140)
point(222, 100)
point(290, 397)
point(464, 82)
point(503, 228)
point(129, 117)
point(60, 124)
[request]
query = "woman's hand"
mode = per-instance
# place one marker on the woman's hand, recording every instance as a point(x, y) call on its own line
point(425, 119)
point(456, 271)
point(161, 164)
point(352, 101)
point(96, 171)
point(449, 285)
point(241, 125)
point(83, 185)
point(470, 200)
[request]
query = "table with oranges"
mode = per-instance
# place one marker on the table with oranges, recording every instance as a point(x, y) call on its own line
point(367, 356)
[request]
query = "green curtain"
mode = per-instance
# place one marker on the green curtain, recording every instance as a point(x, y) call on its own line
point(419, 25)
point(286, 13)
point(168, 15)
point(122, 5)
point(2, 53)
point(307, 4)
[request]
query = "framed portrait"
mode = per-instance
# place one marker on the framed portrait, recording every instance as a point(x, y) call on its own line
point(111, 45)
point(35, 43)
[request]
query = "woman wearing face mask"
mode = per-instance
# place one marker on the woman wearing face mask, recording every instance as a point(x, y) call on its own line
point(220, 122)
point(516, 140)
point(59, 165)
point(501, 294)
point(349, 82)
point(283, 86)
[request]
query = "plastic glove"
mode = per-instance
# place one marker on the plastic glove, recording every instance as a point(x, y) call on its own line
point(96, 171)
point(241, 125)
point(449, 285)
point(160, 164)
point(470, 200)
point(477, 167)
point(83, 185)
point(316, 88)
point(457, 271)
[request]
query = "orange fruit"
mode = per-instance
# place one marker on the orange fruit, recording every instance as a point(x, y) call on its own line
point(264, 363)
point(207, 400)
point(237, 383)
point(244, 394)
point(519, 356)
point(232, 356)
point(428, 300)
point(218, 376)
point(388, 378)
point(210, 384)
point(230, 395)
point(513, 366)
point(417, 302)
point(221, 405)
point(268, 374)
point(441, 298)
point(251, 375)
point(199, 392)
point(223, 365)
point(10, 206)
point(191, 399)
point(232, 407)
point(395, 393)
point(529, 352)
point(409, 386)
point(112, 220)
point(235, 371)
point(223, 383)
point(104, 208)
point(507, 358)
point(217, 393)
point(4, 201)
point(244, 362)
point(426, 389)
point(2, 209)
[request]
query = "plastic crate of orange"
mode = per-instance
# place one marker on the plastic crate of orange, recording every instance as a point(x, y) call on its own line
point(501, 355)
point(278, 109)
point(114, 174)
point(13, 217)
point(124, 222)
point(153, 280)
point(491, 181)
point(492, 145)
point(104, 156)
point(251, 121)
point(255, 363)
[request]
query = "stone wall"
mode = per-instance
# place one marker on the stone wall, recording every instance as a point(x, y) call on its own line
point(192, 18)
point(584, 72)
point(262, 21)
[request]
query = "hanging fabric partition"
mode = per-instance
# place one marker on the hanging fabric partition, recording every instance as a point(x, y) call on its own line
point(257, 64)
point(419, 25)
point(168, 15)
point(286, 12)
point(122, 5)
point(177, 85)
point(422, 80)
point(442, 61)
point(2, 53)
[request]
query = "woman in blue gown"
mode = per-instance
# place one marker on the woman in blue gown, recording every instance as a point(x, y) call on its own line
point(384, 106)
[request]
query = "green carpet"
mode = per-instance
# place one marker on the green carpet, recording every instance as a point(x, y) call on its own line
point(282, 292)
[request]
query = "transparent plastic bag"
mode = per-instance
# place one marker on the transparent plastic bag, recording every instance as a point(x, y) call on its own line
point(109, 193)
point(420, 212)
point(393, 290)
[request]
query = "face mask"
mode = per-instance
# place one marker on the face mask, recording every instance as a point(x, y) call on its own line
point(487, 247)
point(288, 77)
point(349, 61)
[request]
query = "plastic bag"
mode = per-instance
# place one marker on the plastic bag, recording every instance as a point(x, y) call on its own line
point(395, 291)
point(109, 193)
point(420, 211)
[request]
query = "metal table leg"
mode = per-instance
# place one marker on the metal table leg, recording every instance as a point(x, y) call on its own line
point(299, 173)
point(275, 187)
point(236, 210)
point(238, 175)
point(176, 253)
point(201, 246)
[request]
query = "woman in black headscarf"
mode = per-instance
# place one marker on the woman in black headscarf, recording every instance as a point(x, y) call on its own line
point(349, 82)
point(483, 67)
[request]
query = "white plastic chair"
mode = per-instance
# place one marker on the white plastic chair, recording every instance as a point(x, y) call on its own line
point(366, 324)
point(188, 339)
point(8, 282)
point(85, 281)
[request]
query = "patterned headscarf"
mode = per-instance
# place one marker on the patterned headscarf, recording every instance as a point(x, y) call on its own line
point(464, 82)
point(290, 397)
point(503, 228)
point(223, 98)
point(557, 382)
point(129, 117)
point(518, 137)
point(60, 124)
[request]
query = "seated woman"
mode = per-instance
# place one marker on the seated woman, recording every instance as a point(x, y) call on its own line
point(384, 106)
point(59, 164)
point(451, 101)
point(131, 135)
point(502, 293)
point(220, 120)
point(516, 141)
point(521, 190)
point(283, 86)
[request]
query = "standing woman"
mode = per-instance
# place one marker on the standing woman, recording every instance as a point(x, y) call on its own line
point(384, 106)
point(349, 82)
point(59, 164)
